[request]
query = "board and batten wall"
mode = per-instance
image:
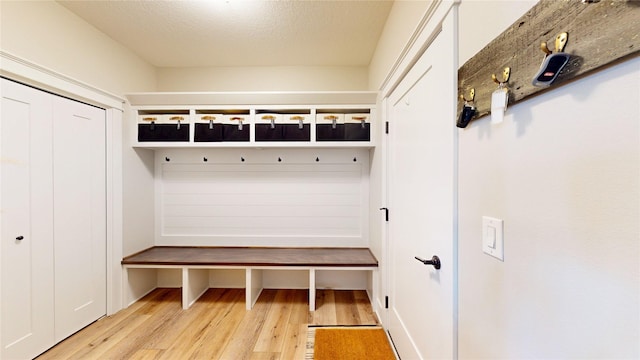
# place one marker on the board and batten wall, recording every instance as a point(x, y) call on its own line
point(563, 171)
point(262, 197)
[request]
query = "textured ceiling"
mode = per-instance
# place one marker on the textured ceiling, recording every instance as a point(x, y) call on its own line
point(241, 32)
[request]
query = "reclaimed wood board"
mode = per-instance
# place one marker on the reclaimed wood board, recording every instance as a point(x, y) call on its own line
point(599, 33)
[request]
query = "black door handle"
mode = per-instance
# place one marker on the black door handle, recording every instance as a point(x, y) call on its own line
point(435, 261)
point(20, 237)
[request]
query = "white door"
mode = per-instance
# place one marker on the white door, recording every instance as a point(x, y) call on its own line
point(422, 196)
point(26, 213)
point(79, 187)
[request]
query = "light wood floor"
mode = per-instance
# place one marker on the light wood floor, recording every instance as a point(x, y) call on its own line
point(217, 326)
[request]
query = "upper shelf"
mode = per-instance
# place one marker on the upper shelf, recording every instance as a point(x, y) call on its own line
point(261, 120)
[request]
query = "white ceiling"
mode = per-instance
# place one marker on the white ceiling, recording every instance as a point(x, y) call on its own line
point(241, 32)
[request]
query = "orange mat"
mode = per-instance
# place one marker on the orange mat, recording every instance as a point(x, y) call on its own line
point(351, 343)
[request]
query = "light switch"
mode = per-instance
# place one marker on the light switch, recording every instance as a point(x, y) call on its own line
point(493, 237)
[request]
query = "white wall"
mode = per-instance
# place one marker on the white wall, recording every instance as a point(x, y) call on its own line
point(272, 78)
point(563, 171)
point(47, 34)
point(480, 21)
point(402, 22)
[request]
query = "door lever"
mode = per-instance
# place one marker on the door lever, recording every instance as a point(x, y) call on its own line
point(435, 261)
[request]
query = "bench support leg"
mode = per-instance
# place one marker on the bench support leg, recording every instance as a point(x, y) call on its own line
point(194, 283)
point(312, 290)
point(253, 286)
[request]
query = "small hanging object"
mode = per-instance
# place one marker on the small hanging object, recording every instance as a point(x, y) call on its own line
point(300, 120)
point(552, 63)
point(279, 159)
point(500, 97)
point(317, 159)
point(468, 110)
point(355, 159)
point(210, 119)
point(242, 159)
point(239, 120)
point(167, 159)
point(334, 120)
point(178, 119)
point(362, 120)
point(205, 159)
point(272, 119)
point(152, 126)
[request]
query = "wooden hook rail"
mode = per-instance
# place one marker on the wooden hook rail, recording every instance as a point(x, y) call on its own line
point(601, 33)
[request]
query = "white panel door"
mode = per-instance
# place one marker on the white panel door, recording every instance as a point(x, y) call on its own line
point(80, 215)
point(26, 212)
point(422, 187)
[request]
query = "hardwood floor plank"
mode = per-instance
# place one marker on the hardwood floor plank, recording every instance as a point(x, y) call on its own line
point(189, 323)
point(325, 313)
point(346, 309)
point(300, 313)
point(99, 332)
point(177, 343)
point(295, 343)
point(146, 354)
point(365, 310)
point(220, 322)
point(164, 314)
point(272, 333)
point(247, 332)
point(217, 326)
point(265, 356)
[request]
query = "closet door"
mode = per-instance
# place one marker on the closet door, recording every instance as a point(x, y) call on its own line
point(79, 188)
point(26, 218)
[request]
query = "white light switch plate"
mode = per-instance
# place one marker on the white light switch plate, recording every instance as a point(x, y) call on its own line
point(493, 237)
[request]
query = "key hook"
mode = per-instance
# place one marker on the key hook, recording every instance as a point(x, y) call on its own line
point(505, 76)
point(560, 43)
point(472, 96)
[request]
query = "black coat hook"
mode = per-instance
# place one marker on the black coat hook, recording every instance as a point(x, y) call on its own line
point(167, 159)
point(241, 159)
point(205, 159)
point(317, 159)
point(279, 159)
point(355, 159)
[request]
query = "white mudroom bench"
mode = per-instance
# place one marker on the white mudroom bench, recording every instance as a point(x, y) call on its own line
point(195, 263)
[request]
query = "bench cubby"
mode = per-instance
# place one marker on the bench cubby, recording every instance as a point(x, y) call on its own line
point(197, 265)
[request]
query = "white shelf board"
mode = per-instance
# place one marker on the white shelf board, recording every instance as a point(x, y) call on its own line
point(255, 145)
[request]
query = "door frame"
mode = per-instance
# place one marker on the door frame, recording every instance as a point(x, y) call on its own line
point(21, 70)
point(427, 30)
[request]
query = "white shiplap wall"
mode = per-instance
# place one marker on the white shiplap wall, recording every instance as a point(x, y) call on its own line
point(275, 197)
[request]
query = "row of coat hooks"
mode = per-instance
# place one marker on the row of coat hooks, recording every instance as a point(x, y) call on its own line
point(552, 64)
point(242, 159)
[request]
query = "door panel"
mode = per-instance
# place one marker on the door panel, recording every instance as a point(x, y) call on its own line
point(26, 210)
point(80, 215)
point(422, 187)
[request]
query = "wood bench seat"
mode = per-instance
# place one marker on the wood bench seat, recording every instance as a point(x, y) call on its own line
point(196, 261)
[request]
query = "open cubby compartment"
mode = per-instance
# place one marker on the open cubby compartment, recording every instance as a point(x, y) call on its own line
point(208, 126)
point(343, 125)
point(283, 125)
point(236, 125)
point(163, 125)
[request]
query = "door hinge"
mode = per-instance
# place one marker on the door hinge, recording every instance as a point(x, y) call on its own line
point(386, 213)
point(386, 302)
point(386, 127)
